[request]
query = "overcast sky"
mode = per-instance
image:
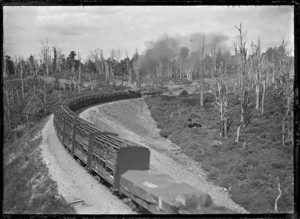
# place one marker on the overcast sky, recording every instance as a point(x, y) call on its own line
point(128, 27)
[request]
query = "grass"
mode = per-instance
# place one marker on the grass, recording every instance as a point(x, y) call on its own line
point(249, 174)
point(28, 189)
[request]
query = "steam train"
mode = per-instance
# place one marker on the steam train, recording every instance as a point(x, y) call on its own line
point(124, 165)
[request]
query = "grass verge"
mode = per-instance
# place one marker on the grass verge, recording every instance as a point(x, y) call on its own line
point(28, 189)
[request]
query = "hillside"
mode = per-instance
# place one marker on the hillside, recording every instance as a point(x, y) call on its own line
point(251, 168)
point(28, 188)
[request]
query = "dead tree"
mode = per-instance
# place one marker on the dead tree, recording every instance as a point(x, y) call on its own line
point(242, 57)
point(137, 71)
point(257, 66)
point(22, 78)
point(278, 197)
point(244, 100)
point(127, 68)
point(202, 74)
point(221, 98)
point(8, 107)
point(113, 55)
point(46, 56)
point(159, 71)
point(79, 74)
point(106, 73)
point(97, 56)
point(263, 97)
point(288, 93)
point(242, 64)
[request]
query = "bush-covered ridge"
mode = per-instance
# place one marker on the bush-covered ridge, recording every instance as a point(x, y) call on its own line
point(28, 188)
point(249, 169)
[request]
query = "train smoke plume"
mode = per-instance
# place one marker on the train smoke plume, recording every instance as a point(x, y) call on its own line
point(166, 48)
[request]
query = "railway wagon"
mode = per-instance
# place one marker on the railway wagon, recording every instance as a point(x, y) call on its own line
point(103, 154)
point(124, 165)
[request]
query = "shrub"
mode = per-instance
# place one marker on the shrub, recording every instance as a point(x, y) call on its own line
point(165, 133)
point(183, 93)
point(255, 122)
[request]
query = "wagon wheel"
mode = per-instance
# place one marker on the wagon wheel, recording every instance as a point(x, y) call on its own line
point(132, 206)
point(139, 208)
point(112, 191)
point(98, 178)
point(78, 161)
point(87, 169)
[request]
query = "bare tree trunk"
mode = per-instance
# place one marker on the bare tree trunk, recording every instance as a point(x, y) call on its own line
point(263, 98)
point(202, 75)
point(21, 71)
point(180, 69)
point(257, 96)
point(130, 76)
point(278, 197)
point(18, 98)
point(201, 95)
point(8, 110)
point(238, 133)
point(106, 74)
point(44, 95)
point(225, 128)
point(234, 89)
point(79, 76)
point(283, 131)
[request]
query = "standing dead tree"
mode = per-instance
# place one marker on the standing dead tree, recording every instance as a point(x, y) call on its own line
point(129, 69)
point(22, 77)
point(221, 103)
point(113, 55)
point(97, 56)
point(79, 74)
point(258, 66)
point(137, 72)
point(7, 108)
point(278, 197)
point(159, 71)
point(286, 86)
point(106, 73)
point(45, 55)
point(244, 100)
point(202, 74)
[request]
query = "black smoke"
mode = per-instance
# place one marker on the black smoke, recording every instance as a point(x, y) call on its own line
point(167, 48)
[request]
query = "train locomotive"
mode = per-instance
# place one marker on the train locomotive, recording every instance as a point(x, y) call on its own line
point(124, 165)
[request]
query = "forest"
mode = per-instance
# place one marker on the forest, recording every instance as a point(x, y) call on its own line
point(243, 104)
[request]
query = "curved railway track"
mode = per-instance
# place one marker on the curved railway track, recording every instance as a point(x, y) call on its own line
point(123, 165)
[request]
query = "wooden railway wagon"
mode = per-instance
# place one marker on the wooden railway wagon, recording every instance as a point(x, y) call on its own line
point(102, 153)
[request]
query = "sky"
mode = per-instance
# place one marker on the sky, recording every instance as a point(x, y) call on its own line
point(82, 29)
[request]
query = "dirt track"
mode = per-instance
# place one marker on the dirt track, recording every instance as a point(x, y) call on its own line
point(73, 182)
point(132, 120)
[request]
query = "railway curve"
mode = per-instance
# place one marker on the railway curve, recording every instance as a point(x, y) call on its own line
point(123, 165)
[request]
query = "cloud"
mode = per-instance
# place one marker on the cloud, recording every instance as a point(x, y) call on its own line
point(107, 27)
